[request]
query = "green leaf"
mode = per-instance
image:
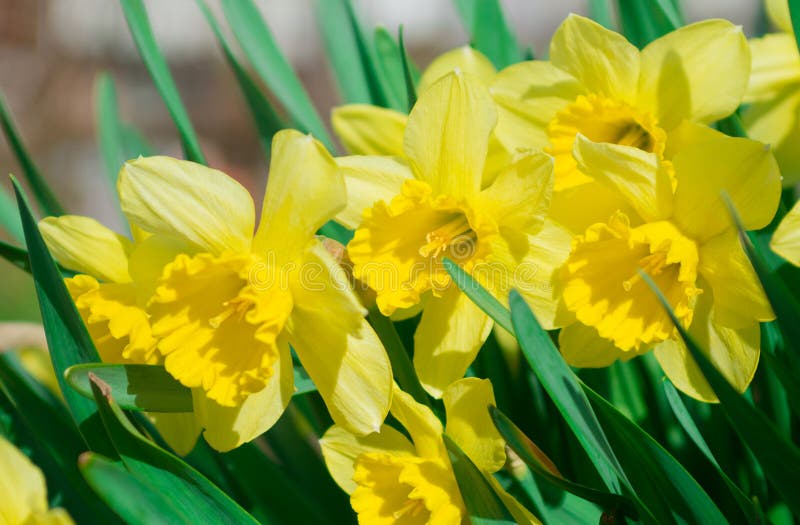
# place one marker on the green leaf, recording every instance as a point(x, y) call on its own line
point(66, 334)
point(662, 484)
point(491, 35)
point(794, 15)
point(9, 217)
point(600, 11)
point(645, 20)
point(483, 504)
point(779, 458)
point(257, 41)
point(686, 421)
point(479, 295)
point(135, 501)
point(198, 499)
point(265, 117)
point(563, 387)
point(390, 60)
point(142, 33)
point(410, 72)
point(136, 387)
point(16, 256)
point(118, 141)
point(303, 384)
point(544, 468)
point(41, 190)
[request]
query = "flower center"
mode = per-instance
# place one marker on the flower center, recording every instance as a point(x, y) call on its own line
point(404, 489)
point(599, 119)
point(218, 325)
point(603, 286)
point(399, 248)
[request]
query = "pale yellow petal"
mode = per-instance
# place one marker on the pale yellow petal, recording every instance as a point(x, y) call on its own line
point(786, 239)
point(228, 427)
point(340, 449)
point(369, 130)
point(447, 136)
point(84, 245)
point(179, 430)
point(22, 486)
point(304, 191)
point(583, 347)
point(187, 200)
point(337, 347)
point(772, 121)
point(739, 299)
point(697, 72)
point(775, 67)
point(778, 12)
point(148, 259)
point(369, 179)
point(466, 404)
point(735, 353)
point(464, 59)
point(528, 96)
point(602, 60)
point(635, 174)
point(448, 337)
point(422, 425)
point(744, 168)
point(579, 207)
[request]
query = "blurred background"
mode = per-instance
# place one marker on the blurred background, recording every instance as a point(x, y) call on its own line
point(52, 50)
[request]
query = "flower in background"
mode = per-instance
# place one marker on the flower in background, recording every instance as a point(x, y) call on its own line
point(786, 239)
point(599, 85)
point(773, 95)
point(23, 490)
point(410, 213)
point(393, 479)
point(680, 235)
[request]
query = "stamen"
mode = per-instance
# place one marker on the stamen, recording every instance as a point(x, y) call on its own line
point(452, 234)
point(411, 508)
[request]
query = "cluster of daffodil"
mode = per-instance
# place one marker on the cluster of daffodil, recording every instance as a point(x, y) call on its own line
point(565, 179)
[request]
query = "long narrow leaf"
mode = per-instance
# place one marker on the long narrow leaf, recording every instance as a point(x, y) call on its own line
point(491, 35)
point(479, 295)
point(9, 217)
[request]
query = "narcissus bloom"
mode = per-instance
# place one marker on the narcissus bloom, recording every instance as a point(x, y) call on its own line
point(23, 490)
point(786, 239)
point(773, 95)
point(680, 235)
point(411, 212)
point(392, 479)
point(599, 85)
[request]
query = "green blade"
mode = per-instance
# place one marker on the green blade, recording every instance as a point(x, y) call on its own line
point(258, 44)
point(491, 35)
point(9, 217)
point(142, 33)
point(390, 60)
point(45, 197)
point(794, 15)
point(188, 490)
point(479, 295)
point(410, 72)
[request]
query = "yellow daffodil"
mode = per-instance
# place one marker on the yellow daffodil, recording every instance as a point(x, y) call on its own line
point(786, 239)
point(116, 278)
point(411, 212)
point(773, 95)
point(680, 235)
point(23, 493)
point(392, 479)
point(599, 85)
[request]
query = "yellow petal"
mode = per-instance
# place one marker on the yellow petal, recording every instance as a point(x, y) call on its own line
point(637, 175)
point(179, 430)
point(369, 130)
point(304, 191)
point(448, 337)
point(369, 179)
point(228, 427)
point(528, 96)
point(337, 346)
point(579, 207)
point(464, 59)
point(735, 353)
point(697, 72)
point(84, 245)
point(519, 198)
point(773, 121)
point(602, 60)
point(189, 201)
point(340, 449)
point(739, 299)
point(786, 239)
point(744, 168)
point(778, 12)
point(775, 66)
point(583, 347)
point(447, 136)
point(422, 425)
point(466, 404)
point(148, 259)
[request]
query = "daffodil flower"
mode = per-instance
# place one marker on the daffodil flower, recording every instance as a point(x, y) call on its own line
point(599, 85)
point(680, 235)
point(23, 490)
point(115, 280)
point(773, 95)
point(786, 239)
point(391, 479)
point(411, 212)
